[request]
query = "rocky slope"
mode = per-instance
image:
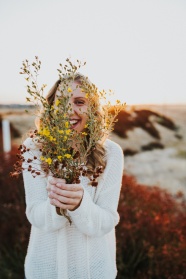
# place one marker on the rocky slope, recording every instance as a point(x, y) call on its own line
point(155, 147)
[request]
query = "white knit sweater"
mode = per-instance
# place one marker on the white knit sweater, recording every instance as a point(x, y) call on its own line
point(87, 248)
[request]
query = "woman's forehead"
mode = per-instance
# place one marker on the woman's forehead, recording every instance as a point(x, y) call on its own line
point(73, 88)
point(76, 90)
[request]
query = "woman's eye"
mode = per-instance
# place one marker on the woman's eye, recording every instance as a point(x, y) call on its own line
point(79, 102)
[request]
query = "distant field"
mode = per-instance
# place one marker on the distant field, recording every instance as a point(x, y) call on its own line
point(20, 119)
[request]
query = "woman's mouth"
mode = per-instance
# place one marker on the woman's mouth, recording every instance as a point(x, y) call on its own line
point(74, 123)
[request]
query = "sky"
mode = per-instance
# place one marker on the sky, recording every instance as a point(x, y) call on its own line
point(137, 48)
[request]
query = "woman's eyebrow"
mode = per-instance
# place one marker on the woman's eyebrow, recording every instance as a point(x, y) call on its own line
point(80, 97)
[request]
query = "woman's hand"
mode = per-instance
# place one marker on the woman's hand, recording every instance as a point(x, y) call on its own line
point(64, 196)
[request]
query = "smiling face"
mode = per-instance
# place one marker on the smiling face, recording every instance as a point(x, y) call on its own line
point(78, 107)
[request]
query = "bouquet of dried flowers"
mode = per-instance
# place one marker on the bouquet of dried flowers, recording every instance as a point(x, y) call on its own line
point(64, 151)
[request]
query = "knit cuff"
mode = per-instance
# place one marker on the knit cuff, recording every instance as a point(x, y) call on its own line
point(54, 214)
point(82, 210)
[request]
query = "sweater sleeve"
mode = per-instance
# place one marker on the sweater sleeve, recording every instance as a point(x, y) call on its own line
point(99, 217)
point(39, 211)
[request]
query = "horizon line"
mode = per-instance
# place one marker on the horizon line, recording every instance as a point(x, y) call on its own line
point(127, 104)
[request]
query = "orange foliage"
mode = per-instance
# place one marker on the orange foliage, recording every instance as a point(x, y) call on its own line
point(151, 233)
point(15, 228)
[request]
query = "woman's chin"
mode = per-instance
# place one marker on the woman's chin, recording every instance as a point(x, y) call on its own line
point(77, 128)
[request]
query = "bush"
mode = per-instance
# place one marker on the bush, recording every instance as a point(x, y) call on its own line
point(14, 233)
point(151, 236)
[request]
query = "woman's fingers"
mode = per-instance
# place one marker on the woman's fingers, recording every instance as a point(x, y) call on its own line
point(57, 193)
point(62, 199)
point(66, 199)
point(66, 193)
point(69, 187)
point(65, 196)
point(52, 180)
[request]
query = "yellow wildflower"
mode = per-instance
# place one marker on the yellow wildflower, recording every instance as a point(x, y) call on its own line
point(65, 138)
point(52, 138)
point(49, 161)
point(59, 157)
point(46, 132)
point(66, 124)
point(86, 125)
point(57, 102)
point(68, 132)
point(61, 132)
point(69, 90)
point(84, 134)
point(67, 156)
point(86, 95)
point(42, 158)
point(40, 132)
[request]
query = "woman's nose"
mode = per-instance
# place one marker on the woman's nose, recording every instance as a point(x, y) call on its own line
point(71, 108)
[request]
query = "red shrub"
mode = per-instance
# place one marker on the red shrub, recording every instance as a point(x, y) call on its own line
point(15, 228)
point(151, 233)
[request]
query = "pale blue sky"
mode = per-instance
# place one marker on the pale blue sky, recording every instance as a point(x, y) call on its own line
point(135, 47)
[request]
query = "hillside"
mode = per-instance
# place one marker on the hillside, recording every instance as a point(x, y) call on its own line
point(155, 149)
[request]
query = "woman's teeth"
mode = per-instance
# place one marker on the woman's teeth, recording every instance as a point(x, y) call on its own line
point(73, 122)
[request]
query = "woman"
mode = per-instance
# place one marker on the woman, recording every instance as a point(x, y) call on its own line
point(86, 249)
